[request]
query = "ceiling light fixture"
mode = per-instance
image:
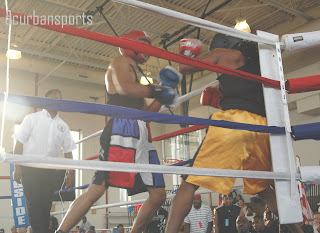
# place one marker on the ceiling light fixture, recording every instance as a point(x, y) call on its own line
point(242, 25)
point(13, 54)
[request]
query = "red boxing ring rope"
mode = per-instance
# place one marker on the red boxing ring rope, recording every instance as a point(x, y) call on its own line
point(309, 83)
point(141, 47)
point(92, 157)
point(179, 132)
point(4, 177)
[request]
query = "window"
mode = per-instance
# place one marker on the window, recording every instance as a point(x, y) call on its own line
point(181, 147)
point(124, 197)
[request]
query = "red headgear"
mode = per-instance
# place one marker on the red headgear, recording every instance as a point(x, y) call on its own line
point(197, 196)
point(135, 35)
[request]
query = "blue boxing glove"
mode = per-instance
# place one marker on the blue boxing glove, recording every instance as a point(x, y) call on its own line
point(169, 77)
point(164, 95)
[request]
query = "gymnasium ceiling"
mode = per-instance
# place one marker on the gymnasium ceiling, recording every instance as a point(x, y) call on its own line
point(276, 16)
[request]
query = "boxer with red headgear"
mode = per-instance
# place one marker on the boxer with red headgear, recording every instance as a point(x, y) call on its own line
point(127, 140)
point(139, 36)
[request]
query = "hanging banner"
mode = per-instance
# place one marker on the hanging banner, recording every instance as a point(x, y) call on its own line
point(18, 202)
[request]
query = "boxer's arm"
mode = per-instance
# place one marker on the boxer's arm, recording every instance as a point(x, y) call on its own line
point(154, 106)
point(124, 79)
point(213, 56)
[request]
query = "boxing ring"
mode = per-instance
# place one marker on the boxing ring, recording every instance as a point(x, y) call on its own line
point(279, 128)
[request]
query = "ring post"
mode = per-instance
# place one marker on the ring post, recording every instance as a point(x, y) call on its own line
point(283, 159)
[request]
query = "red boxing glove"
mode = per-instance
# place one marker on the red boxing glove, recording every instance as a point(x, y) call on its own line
point(190, 47)
point(211, 97)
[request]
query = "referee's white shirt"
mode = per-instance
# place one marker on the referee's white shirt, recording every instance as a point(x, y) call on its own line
point(199, 218)
point(42, 135)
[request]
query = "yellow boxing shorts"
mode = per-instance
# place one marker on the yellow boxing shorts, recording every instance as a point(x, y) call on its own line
point(233, 149)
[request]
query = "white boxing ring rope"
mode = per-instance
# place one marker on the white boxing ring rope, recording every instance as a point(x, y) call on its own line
point(50, 162)
point(197, 22)
point(191, 94)
point(179, 101)
point(289, 42)
point(308, 174)
point(127, 203)
point(4, 107)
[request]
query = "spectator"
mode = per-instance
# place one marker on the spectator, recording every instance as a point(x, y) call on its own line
point(306, 228)
point(258, 225)
point(250, 214)
point(199, 219)
point(242, 206)
point(44, 134)
point(237, 199)
point(22, 230)
point(158, 222)
point(226, 215)
point(85, 225)
point(120, 228)
point(92, 229)
point(316, 222)
point(269, 222)
point(134, 216)
point(13, 229)
point(53, 224)
point(2, 230)
point(76, 230)
point(243, 225)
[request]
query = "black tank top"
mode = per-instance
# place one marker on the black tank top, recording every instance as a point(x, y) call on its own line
point(242, 94)
point(124, 100)
point(227, 216)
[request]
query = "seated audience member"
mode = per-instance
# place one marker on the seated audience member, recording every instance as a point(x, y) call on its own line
point(1, 230)
point(85, 224)
point(242, 225)
point(22, 230)
point(243, 207)
point(13, 229)
point(120, 228)
point(250, 214)
point(259, 227)
point(237, 199)
point(158, 222)
point(269, 222)
point(316, 222)
point(77, 229)
point(306, 228)
point(92, 229)
point(134, 216)
point(53, 224)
